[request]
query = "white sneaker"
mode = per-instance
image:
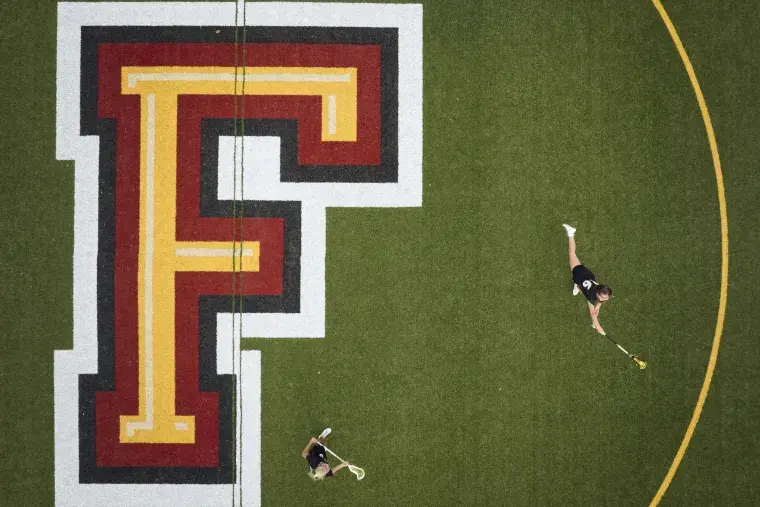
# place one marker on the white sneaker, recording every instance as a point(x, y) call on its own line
point(325, 432)
point(570, 230)
point(576, 289)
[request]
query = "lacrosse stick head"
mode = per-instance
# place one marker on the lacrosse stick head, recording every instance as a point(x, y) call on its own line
point(358, 472)
point(641, 364)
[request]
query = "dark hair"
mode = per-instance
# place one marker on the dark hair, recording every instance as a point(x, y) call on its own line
point(604, 290)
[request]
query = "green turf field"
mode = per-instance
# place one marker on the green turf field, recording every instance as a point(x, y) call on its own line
point(457, 367)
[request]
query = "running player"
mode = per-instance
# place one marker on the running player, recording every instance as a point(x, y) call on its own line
point(314, 453)
point(585, 282)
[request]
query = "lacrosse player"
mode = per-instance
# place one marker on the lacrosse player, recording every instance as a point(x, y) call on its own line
point(314, 453)
point(585, 282)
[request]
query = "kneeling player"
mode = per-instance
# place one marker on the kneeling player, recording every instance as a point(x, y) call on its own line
point(314, 453)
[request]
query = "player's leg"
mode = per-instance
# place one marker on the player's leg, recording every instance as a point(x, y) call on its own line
point(322, 436)
point(574, 260)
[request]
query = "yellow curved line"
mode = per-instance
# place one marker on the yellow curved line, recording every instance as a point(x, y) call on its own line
point(723, 253)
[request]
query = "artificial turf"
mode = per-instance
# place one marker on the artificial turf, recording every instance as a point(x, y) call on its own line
point(457, 368)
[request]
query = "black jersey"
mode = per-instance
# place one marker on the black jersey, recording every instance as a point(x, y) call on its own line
point(584, 279)
point(316, 456)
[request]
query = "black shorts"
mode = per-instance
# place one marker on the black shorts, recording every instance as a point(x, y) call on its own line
point(581, 273)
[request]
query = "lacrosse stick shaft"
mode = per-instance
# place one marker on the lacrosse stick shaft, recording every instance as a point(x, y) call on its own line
point(618, 345)
point(328, 450)
point(641, 364)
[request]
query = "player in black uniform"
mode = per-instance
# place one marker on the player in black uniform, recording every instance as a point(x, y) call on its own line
point(585, 282)
point(315, 455)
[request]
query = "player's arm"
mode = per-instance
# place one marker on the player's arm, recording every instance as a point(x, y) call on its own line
point(594, 312)
point(342, 465)
point(306, 449)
